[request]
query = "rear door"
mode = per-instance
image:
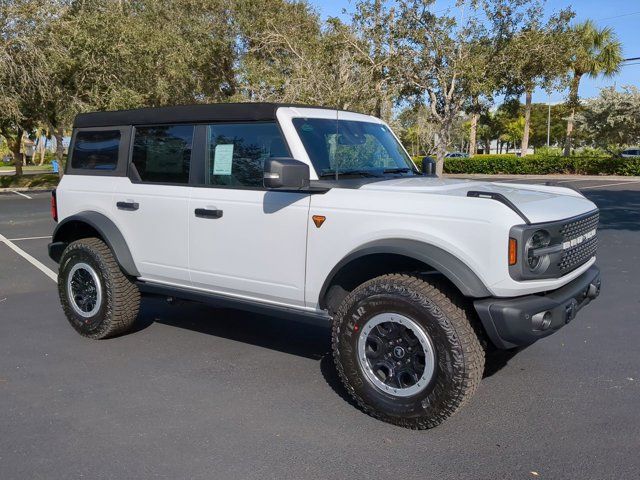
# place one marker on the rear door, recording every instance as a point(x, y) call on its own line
point(246, 241)
point(151, 204)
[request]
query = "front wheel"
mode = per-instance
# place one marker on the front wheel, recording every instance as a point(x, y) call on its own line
point(406, 350)
point(98, 299)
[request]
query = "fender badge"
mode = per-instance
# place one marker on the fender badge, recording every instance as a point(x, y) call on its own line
point(318, 220)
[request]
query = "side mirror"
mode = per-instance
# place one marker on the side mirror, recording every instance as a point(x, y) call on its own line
point(286, 173)
point(428, 166)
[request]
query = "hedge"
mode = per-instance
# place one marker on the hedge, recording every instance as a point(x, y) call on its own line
point(47, 180)
point(541, 165)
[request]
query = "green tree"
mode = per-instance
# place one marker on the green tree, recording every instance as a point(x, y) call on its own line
point(537, 56)
point(597, 52)
point(503, 122)
point(513, 131)
point(23, 70)
point(101, 53)
point(278, 42)
point(288, 55)
point(439, 54)
point(373, 41)
point(416, 129)
point(612, 120)
point(483, 81)
point(539, 119)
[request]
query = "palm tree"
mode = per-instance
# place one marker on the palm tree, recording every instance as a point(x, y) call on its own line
point(598, 52)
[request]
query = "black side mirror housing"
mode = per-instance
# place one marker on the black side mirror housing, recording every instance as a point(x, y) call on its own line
point(286, 173)
point(428, 167)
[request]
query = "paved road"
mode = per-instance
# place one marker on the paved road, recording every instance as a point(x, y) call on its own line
point(202, 393)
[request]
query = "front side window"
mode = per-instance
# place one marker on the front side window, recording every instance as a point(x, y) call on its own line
point(349, 146)
point(162, 153)
point(96, 150)
point(236, 152)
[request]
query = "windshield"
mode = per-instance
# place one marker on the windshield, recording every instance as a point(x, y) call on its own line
point(351, 147)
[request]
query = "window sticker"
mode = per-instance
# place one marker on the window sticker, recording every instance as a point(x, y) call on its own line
point(222, 159)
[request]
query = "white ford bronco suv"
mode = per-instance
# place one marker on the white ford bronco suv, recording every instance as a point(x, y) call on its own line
point(322, 213)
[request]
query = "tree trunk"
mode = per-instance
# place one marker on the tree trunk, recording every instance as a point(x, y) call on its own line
point(441, 141)
point(473, 133)
point(378, 108)
point(573, 103)
point(568, 141)
point(524, 146)
point(42, 144)
point(15, 145)
point(440, 162)
point(58, 134)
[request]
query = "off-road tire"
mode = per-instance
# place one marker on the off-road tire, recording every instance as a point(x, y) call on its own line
point(120, 298)
point(449, 322)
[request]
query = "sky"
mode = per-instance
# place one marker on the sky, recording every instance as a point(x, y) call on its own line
point(623, 16)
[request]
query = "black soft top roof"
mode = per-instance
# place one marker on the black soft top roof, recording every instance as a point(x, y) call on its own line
point(231, 112)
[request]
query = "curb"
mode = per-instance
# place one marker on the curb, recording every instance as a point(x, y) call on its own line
point(26, 189)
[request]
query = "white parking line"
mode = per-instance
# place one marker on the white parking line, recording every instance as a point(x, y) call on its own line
point(21, 194)
point(36, 263)
point(611, 184)
point(27, 238)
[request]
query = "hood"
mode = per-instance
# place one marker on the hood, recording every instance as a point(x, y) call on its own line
point(540, 203)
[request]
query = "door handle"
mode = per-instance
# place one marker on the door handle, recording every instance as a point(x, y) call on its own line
point(128, 205)
point(208, 213)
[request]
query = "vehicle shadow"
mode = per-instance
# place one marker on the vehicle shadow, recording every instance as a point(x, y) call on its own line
point(299, 336)
point(495, 360)
point(304, 338)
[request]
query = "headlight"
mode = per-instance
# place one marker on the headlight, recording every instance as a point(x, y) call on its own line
point(537, 261)
point(551, 249)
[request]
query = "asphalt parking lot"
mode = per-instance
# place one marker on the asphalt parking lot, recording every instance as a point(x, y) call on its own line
point(197, 392)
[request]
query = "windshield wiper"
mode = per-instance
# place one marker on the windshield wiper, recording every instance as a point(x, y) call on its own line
point(397, 170)
point(342, 173)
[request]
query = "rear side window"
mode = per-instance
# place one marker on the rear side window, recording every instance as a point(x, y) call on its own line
point(162, 153)
point(96, 150)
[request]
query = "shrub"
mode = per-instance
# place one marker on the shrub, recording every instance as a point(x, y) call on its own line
point(549, 151)
point(47, 180)
point(543, 165)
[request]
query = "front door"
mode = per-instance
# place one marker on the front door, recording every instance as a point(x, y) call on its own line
point(245, 241)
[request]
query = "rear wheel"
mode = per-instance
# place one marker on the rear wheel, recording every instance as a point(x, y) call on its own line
point(98, 299)
point(406, 350)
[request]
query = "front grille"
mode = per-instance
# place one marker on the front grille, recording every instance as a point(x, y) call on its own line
point(574, 256)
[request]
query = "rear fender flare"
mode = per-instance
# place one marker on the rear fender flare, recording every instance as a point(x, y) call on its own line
point(64, 234)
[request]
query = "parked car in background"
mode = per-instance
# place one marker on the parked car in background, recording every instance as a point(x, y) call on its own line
point(456, 155)
point(7, 159)
point(631, 152)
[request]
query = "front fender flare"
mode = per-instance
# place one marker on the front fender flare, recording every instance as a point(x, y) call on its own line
point(444, 262)
point(64, 234)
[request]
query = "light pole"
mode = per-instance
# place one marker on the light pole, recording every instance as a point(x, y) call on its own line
point(549, 121)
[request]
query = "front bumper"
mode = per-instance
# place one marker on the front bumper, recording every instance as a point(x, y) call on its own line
point(512, 322)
